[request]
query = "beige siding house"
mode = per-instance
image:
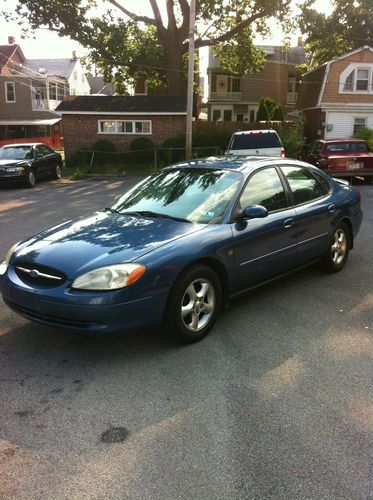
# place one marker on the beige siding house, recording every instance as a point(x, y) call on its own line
point(232, 98)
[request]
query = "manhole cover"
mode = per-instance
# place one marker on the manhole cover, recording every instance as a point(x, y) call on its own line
point(114, 435)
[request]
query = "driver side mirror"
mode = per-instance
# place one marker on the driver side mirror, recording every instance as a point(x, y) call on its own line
point(255, 212)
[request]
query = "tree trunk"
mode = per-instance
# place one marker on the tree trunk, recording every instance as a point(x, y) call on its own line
point(176, 81)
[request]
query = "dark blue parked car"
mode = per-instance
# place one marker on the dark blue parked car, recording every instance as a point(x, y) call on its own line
point(177, 246)
point(28, 163)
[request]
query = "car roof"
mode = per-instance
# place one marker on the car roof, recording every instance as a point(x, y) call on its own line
point(256, 131)
point(327, 141)
point(22, 144)
point(244, 164)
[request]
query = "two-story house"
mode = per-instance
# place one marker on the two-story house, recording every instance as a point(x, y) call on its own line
point(30, 91)
point(336, 99)
point(232, 98)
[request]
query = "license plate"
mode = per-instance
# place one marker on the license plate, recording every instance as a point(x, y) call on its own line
point(354, 166)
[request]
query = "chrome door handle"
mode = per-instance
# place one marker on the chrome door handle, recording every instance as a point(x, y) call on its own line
point(331, 208)
point(288, 223)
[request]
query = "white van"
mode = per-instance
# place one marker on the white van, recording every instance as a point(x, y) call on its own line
point(256, 142)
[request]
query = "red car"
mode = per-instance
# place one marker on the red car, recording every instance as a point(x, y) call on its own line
point(340, 157)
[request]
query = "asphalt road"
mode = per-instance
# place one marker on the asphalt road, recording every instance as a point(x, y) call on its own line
point(277, 402)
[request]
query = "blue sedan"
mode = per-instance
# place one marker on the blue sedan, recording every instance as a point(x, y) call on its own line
point(174, 249)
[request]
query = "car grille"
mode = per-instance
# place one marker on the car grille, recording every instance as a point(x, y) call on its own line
point(37, 274)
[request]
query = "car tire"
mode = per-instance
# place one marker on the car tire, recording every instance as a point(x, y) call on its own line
point(57, 172)
point(30, 179)
point(194, 304)
point(338, 250)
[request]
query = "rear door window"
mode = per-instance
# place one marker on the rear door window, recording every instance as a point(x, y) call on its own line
point(304, 186)
point(264, 188)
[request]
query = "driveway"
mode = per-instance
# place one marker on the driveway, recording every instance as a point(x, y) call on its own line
point(276, 402)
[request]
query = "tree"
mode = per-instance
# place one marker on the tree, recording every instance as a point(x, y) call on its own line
point(269, 110)
point(262, 114)
point(126, 45)
point(349, 26)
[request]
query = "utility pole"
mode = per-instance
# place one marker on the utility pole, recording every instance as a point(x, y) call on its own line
point(189, 119)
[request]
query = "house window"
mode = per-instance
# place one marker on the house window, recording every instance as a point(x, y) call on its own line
point(359, 123)
point(349, 82)
point(236, 85)
point(135, 127)
point(107, 127)
point(53, 91)
point(213, 83)
point(357, 79)
point(227, 115)
point(216, 115)
point(362, 79)
point(10, 92)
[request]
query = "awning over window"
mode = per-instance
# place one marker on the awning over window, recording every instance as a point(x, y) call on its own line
point(240, 108)
point(49, 121)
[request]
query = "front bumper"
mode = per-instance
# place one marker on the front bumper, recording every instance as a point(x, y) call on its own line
point(13, 177)
point(84, 312)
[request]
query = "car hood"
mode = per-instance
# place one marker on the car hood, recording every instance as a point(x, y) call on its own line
point(100, 239)
point(12, 163)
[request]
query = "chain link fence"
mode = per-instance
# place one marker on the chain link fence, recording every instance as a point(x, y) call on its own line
point(155, 157)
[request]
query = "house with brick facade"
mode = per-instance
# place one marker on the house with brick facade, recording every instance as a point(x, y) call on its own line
point(120, 119)
point(233, 98)
point(336, 99)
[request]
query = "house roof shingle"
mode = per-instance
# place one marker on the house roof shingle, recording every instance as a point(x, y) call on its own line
point(7, 52)
point(53, 67)
point(123, 104)
point(98, 86)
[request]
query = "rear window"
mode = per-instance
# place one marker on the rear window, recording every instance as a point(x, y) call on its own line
point(338, 147)
point(346, 146)
point(256, 141)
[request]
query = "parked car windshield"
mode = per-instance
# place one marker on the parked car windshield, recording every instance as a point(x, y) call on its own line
point(256, 140)
point(192, 194)
point(16, 153)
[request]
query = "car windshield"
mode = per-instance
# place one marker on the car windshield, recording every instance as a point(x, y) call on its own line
point(16, 153)
point(256, 140)
point(191, 194)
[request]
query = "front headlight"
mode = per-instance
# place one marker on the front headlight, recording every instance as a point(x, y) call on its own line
point(4, 265)
point(110, 277)
point(16, 170)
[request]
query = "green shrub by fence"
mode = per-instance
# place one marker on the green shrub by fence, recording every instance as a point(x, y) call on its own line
point(142, 150)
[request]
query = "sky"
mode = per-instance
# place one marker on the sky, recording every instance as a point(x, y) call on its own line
point(49, 45)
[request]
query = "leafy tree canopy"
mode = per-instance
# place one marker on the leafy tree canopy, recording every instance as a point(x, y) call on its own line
point(349, 26)
point(126, 45)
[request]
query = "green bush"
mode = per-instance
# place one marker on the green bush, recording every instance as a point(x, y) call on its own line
point(366, 134)
point(102, 149)
point(104, 145)
point(173, 149)
point(81, 157)
point(142, 150)
point(292, 137)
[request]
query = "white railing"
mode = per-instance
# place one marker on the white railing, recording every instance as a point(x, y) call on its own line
point(45, 104)
point(291, 97)
point(225, 96)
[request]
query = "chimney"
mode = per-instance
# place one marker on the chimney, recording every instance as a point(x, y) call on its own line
point(74, 56)
point(300, 41)
point(11, 40)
